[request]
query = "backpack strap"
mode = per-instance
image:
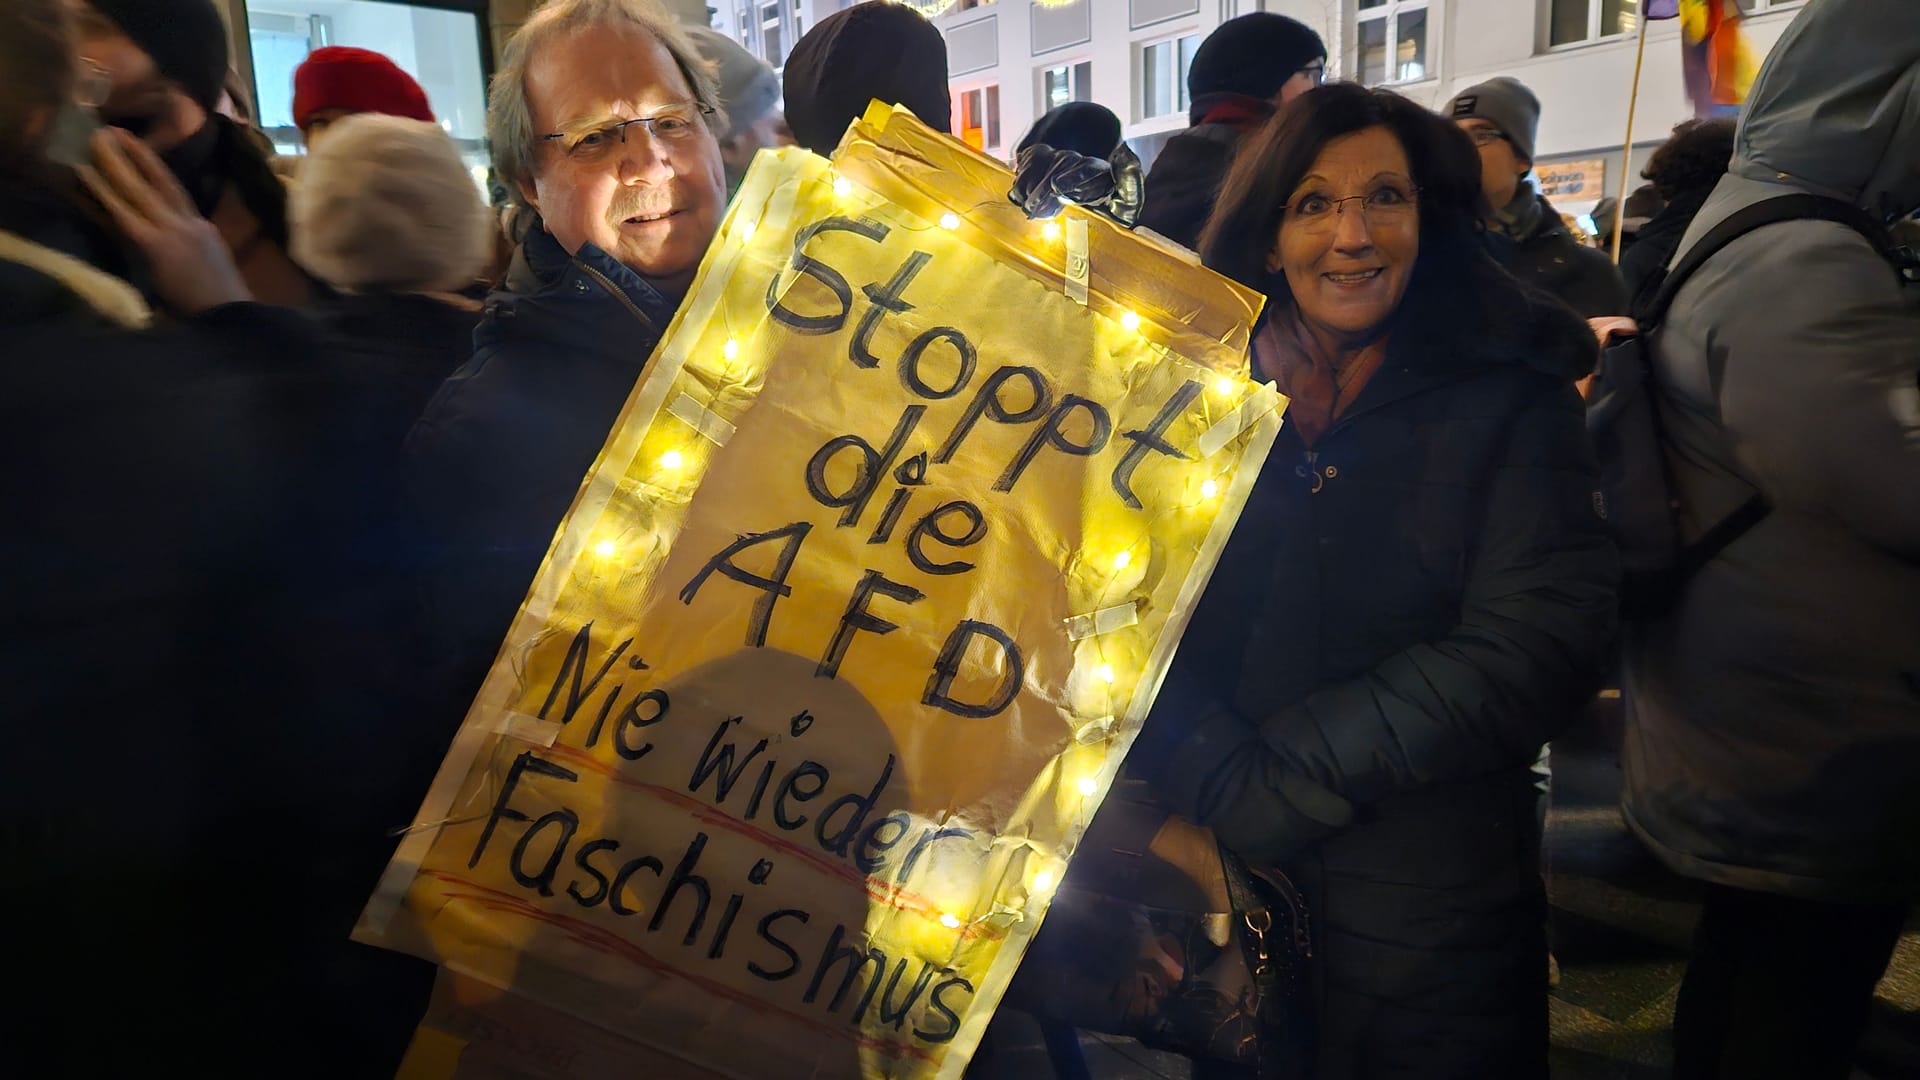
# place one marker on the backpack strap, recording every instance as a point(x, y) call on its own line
point(1800, 206)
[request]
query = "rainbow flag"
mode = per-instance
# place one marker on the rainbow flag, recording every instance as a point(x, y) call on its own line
point(1718, 62)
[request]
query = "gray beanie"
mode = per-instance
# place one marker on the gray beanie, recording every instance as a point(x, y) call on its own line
point(1508, 104)
point(384, 204)
point(749, 89)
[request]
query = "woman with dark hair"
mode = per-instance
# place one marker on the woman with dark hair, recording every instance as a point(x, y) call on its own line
point(1683, 173)
point(1418, 595)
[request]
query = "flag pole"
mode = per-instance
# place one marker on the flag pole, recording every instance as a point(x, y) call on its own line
point(1626, 152)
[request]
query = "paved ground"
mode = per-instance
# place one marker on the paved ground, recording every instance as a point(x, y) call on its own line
point(1621, 926)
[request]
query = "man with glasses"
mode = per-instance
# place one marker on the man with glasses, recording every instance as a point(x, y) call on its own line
point(602, 120)
point(1502, 116)
point(1244, 71)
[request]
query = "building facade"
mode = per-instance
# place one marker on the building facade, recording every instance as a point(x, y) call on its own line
point(1011, 60)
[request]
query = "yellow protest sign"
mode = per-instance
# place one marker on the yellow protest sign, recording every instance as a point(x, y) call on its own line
point(849, 628)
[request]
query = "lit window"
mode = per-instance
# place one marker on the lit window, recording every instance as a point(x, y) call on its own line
point(1163, 76)
point(979, 117)
point(1068, 82)
point(439, 48)
point(1572, 21)
point(1393, 41)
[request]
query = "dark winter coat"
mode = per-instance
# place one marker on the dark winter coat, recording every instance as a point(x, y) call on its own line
point(1548, 258)
point(1185, 178)
point(1773, 738)
point(495, 462)
point(411, 343)
point(1403, 615)
point(1642, 266)
point(200, 775)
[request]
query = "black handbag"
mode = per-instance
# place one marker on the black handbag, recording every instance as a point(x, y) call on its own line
point(1136, 945)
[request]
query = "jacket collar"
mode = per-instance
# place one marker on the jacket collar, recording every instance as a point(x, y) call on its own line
point(1237, 111)
point(111, 299)
point(587, 300)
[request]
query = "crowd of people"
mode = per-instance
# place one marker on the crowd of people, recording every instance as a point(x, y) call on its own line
point(289, 440)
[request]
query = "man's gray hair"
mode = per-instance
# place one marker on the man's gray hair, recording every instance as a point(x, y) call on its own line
point(510, 117)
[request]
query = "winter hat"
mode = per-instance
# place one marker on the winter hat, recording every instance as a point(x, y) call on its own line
point(1507, 104)
point(358, 80)
point(384, 204)
point(1080, 126)
point(871, 50)
point(749, 89)
point(1253, 55)
point(186, 38)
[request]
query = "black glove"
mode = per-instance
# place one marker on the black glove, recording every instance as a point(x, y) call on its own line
point(1046, 178)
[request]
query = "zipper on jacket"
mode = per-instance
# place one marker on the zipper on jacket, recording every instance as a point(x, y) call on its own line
point(618, 293)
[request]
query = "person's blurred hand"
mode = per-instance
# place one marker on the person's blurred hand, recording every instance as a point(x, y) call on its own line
point(192, 269)
point(1606, 326)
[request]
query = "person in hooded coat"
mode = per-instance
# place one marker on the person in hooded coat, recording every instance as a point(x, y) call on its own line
point(1247, 68)
point(1418, 594)
point(1773, 714)
point(876, 50)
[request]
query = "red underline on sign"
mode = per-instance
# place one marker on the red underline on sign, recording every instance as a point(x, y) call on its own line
point(586, 933)
point(892, 896)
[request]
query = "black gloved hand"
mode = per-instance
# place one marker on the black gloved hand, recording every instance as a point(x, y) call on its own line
point(1046, 178)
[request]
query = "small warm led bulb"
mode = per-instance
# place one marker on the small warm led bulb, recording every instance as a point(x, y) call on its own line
point(1222, 385)
point(671, 460)
point(1105, 671)
point(731, 350)
point(1051, 230)
point(1210, 488)
point(1088, 786)
point(949, 221)
point(1130, 321)
point(1043, 881)
point(1123, 560)
point(842, 187)
point(605, 549)
point(949, 920)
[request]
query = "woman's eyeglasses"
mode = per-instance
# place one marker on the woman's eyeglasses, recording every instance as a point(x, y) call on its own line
point(1316, 71)
point(676, 123)
point(1388, 204)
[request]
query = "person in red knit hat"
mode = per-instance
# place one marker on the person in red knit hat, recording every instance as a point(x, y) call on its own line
point(340, 80)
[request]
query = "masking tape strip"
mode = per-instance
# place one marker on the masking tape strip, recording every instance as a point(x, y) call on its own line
point(1079, 266)
point(518, 725)
point(1104, 621)
point(1099, 729)
point(1229, 427)
point(708, 423)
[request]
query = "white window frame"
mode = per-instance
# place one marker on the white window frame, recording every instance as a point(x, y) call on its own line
point(1388, 15)
point(1595, 8)
point(1041, 102)
point(1177, 78)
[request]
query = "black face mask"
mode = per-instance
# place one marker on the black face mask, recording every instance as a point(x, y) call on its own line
point(137, 126)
